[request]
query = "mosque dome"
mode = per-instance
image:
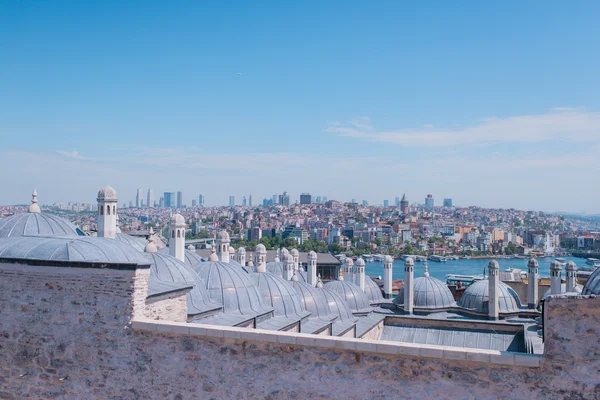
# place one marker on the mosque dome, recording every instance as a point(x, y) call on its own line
point(260, 248)
point(314, 300)
point(83, 249)
point(241, 250)
point(337, 305)
point(563, 289)
point(136, 242)
point(166, 268)
point(280, 294)
point(360, 262)
point(356, 298)
point(275, 268)
point(37, 224)
point(312, 254)
point(107, 194)
point(295, 252)
point(177, 219)
point(223, 235)
point(191, 258)
point(592, 286)
point(429, 292)
point(388, 259)
point(373, 291)
point(476, 297)
point(231, 286)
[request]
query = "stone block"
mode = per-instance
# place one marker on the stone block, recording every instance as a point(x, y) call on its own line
point(432, 352)
point(527, 360)
point(502, 358)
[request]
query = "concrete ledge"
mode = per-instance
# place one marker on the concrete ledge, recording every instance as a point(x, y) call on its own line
point(340, 343)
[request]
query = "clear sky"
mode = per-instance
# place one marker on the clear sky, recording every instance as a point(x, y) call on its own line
point(491, 103)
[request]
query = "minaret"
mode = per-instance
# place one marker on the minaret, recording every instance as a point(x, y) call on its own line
point(555, 273)
point(311, 274)
point(107, 213)
point(296, 257)
point(359, 276)
point(348, 274)
point(532, 284)
point(260, 256)
point(222, 243)
point(388, 261)
point(571, 268)
point(34, 207)
point(288, 267)
point(409, 290)
point(177, 237)
point(231, 253)
point(493, 289)
point(241, 256)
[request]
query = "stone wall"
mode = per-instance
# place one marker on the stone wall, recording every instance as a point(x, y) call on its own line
point(64, 333)
point(170, 307)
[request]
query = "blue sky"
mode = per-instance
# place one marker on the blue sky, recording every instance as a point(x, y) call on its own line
point(492, 104)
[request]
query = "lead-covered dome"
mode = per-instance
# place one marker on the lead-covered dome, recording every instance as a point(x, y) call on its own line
point(191, 258)
point(373, 291)
point(314, 300)
point(107, 194)
point(136, 242)
point(338, 306)
point(563, 289)
point(476, 297)
point(280, 294)
point(37, 224)
point(354, 296)
point(592, 286)
point(429, 292)
point(177, 219)
point(231, 286)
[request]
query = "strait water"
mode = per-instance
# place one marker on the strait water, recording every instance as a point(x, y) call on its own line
point(465, 267)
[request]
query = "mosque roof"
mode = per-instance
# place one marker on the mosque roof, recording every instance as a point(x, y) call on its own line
point(338, 305)
point(476, 297)
point(373, 291)
point(280, 294)
point(39, 224)
point(429, 292)
point(356, 298)
point(107, 194)
point(314, 300)
point(191, 257)
point(592, 286)
point(136, 242)
point(563, 289)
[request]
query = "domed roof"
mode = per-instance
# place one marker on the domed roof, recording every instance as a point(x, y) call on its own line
point(275, 268)
point(592, 286)
point(295, 252)
point(223, 235)
point(83, 249)
point(338, 306)
point(150, 248)
point(356, 298)
point(231, 286)
point(429, 292)
point(260, 248)
point(166, 268)
point(373, 291)
point(241, 250)
point(563, 289)
point(37, 224)
point(388, 259)
point(177, 219)
point(280, 294)
point(107, 194)
point(136, 242)
point(191, 257)
point(360, 262)
point(312, 254)
point(314, 300)
point(476, 297)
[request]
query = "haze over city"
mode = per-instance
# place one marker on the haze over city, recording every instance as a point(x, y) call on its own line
point(496, 106)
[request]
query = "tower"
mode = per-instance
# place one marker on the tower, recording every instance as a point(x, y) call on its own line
point(241, 256)
point(312, 269)
point(571, 272)
point(348, 270)
point(493, 289)
point(138, 198)
point(409, 290)
point(223, 246)
point(555, 273)
point(359, 274)
point(532, 284)
point(150, 199)
point(296, 257)
point(260, 257)
point(388, 261)
point(107, 213)
point(403, 204)
point(177, 237)
point(288, 267)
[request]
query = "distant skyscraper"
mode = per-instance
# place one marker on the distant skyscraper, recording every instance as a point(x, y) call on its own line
point(448, 203)
point(179, 200)
point(244, 201)
point(403, 204)
point(275, 198)
point(231, 201)
point(161, 202)
point(353, 201)
point(169, 201)
point(386, 203)
point(318, 199)
point(138, 198)
point(365, 203)
point(194, 202)
point(284, 199)
point(201, 200)
point(305, 198)
point(397, 202)
point(150, 198)
point(324, 199)
point(250, 201)
point(429, 201)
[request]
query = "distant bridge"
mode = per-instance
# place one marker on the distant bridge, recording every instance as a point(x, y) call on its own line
point(210, 241)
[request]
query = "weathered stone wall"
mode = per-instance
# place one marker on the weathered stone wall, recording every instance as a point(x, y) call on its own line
point(64, 334)
point(170, 307)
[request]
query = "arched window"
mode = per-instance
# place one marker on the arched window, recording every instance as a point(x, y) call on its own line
point(173, 234)
point(101, 210)
point(107, 210)
point(114, 210)
point(178, 233)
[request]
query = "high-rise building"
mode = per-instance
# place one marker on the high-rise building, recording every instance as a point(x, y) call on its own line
point(353, 201)
point(161, 202)
point(318, 199)
point(365, 203)
point(386, 203)
point(284, 199)
point(397, 202)
point(448, 203)
point(194, 202)
point(179, 199)
point(324, 199)
point(305, 198)
point(201, 200)
point(169, 199)
point(231, 201)
point(429, 201)
point(403, 204)
point(150, 198)
point(250, 201)
point(244, 201)
point(138, 198)
point(275, 199)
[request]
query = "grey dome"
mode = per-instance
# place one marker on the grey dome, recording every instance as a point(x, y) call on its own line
point(354, 296)
point(37, 224)
point(313, 300)
point(191, 257)
point(373, 291)
point(476, 297)
point(136, 242)
point(280, 294)
point(275, 268)
point(563, 289)
point(429, 292)
point(592, 286)
point(338, 306)
point(231, 286)
point(165, 268)
point(107, 194)
point(77, 249)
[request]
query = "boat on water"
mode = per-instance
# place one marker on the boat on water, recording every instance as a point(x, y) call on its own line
point(438, 258)
point(465, 280)
point(593, 262)
point(561, 260)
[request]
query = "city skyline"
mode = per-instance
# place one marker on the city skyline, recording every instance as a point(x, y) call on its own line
point(471, 110)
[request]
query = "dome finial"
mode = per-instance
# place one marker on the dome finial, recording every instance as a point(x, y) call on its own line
point(213, 255)
point(426, 274)
point(34, 207)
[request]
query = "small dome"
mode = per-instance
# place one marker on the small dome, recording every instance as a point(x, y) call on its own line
point(429, 292)
point(136, 242)
point(213, 256)
point(107, 194)
point(373, 291)
point(354, 296)
point(280, 295)
point(231, 286)
point(191, 247)
point(231, 250)
point(312, 254)
point(191, 258)
point(283, 252)
point(295, 252)
point(388, 259)
point(337, 305)
point(223, 236)
point(37, 224)
point(275, 268)
point(260, 248)
point(360, 262)
point(592, 286)
point(150, 247)
point(313, 300)
point(563, 289)
point(177, 220)
point(476, 297)
point(241, 250)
